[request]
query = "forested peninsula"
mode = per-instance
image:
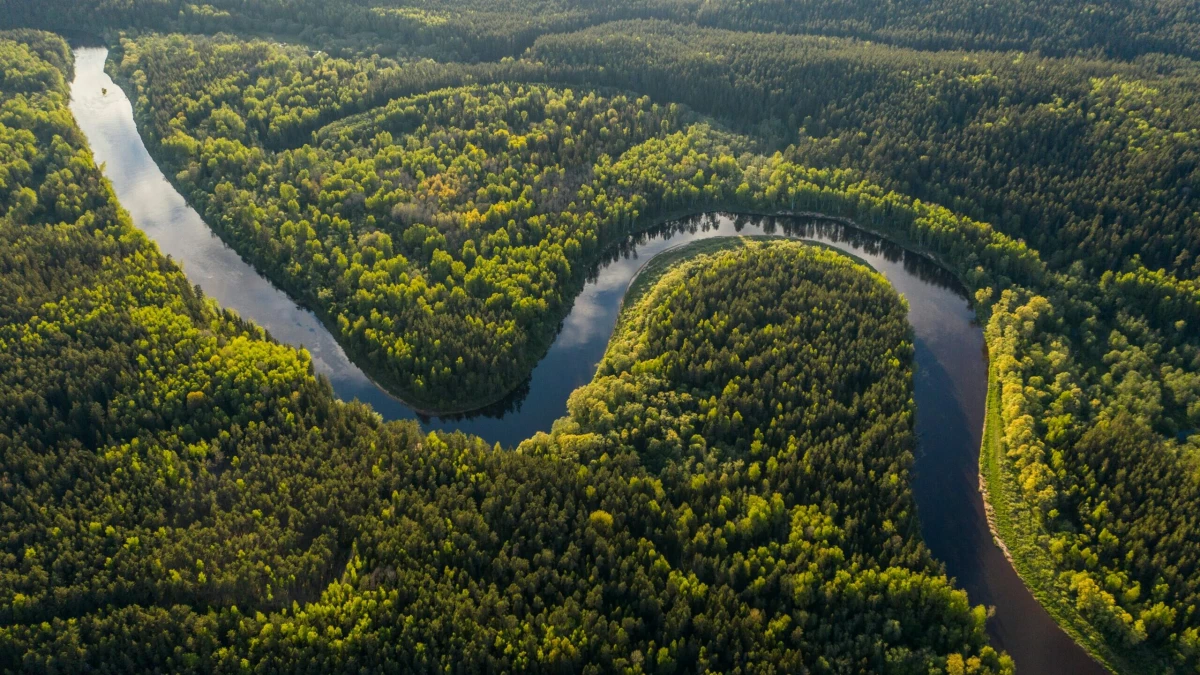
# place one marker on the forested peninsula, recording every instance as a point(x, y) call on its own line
point(730, 492)
point(187, 497)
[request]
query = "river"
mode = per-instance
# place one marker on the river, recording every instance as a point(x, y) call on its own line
point(949, 388)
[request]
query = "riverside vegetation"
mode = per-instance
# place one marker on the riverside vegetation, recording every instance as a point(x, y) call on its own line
point(181, 494)
point(468, 198)
point(1076, 347)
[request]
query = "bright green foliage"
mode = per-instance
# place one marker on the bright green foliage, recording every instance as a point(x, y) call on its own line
point(430, 232)
point(128, 401)
point(1086, 167)
point(1074, 346)
point(743, 376)
point(1039, 147)
point(273, 94)
point(181, 495)
point(759, 394)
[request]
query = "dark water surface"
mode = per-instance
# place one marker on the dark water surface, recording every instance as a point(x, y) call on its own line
point(950, 384)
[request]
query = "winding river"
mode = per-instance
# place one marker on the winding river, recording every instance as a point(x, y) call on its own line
point(951, 363)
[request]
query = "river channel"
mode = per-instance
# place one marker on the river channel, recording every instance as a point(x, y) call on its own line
point(950, 376)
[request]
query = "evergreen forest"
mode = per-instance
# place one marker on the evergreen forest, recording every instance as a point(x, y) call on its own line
point(732, 491)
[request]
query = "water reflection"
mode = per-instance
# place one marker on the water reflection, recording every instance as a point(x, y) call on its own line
point(949, 388)
point(584, 333)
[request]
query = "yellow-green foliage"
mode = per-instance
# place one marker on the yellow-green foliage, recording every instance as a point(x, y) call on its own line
point(180, 494)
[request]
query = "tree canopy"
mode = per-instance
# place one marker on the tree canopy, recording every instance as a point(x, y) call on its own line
point(492, 29)
point(182, 494)
point(436, 182)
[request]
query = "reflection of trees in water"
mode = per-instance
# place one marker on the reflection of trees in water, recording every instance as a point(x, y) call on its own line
point(627, 248)
point(858, 241)
point(821, 229)
point(83, 39)
point(498, 410)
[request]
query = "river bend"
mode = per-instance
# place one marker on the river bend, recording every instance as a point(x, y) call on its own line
point(950, 375)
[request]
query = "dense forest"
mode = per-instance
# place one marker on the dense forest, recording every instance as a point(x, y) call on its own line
point(1058, 152)
point(182, 495)
point(492, 29)
point(439, 234)
point(1077, 346)
point(436, 180)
